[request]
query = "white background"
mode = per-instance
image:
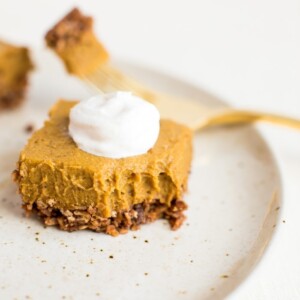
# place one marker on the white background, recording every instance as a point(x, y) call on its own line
point(246, 52)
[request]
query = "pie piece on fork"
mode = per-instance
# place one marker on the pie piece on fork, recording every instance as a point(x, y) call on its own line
point(74, 41)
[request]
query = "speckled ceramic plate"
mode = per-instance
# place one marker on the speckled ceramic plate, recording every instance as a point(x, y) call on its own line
point(233, 197)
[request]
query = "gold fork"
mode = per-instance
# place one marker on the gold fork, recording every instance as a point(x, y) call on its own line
point(183, 110)
point(84, 55)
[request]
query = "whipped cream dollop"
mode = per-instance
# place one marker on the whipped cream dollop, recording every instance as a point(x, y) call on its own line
point(114, 125)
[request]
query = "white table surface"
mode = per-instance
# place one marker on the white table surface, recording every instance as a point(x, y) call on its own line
point(246, 52)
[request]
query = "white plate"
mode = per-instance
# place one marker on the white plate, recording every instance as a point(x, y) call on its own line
point(233, 198)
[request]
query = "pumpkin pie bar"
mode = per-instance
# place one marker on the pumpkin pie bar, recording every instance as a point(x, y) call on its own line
point(76, 190)
point(15, 65)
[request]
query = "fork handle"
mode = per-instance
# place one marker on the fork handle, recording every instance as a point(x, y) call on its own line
point(232, 116)
point(111, 79)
